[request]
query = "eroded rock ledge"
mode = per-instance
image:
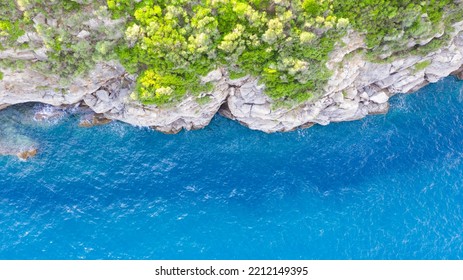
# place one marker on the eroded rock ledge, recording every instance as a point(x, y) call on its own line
point(356, 89)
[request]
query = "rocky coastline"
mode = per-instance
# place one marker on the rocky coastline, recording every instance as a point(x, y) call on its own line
point(356, 89)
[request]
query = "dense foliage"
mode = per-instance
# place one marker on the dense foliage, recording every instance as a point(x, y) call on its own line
point(71, 32)
point(173, 43)
point(170, 44)
point(285, 43)
point(10, 23)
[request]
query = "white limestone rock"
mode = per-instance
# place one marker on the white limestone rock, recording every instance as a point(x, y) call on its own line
point(83, 34)
point(357, 88)
point(380, 97)
point(213, 76)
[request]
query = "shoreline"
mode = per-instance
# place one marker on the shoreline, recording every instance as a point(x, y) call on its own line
point(356, 89)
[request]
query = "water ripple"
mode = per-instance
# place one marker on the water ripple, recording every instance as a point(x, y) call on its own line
point(386, 187)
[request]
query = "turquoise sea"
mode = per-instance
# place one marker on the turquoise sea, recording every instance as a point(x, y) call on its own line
point(386, 187)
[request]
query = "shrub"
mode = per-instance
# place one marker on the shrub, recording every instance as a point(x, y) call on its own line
point(422, 65)
point(170, 44)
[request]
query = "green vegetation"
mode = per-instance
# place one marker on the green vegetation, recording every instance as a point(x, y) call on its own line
point(1, 75)
point(422, 65)
point(390, 25)
point(10, 23)
point(72, 31)
point(285, 43)
point(236, 74)
point(170, 44)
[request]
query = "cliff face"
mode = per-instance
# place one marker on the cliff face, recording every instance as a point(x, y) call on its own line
point(356, 89)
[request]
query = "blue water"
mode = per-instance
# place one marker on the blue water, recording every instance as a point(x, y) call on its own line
point(386, 187)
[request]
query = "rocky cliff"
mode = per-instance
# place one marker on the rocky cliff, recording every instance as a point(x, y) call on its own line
point(356, 89)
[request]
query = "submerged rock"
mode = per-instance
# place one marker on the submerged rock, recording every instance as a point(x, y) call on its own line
point(14, 139)
point(48, 113)
point(94, 120)
point(25, 155)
